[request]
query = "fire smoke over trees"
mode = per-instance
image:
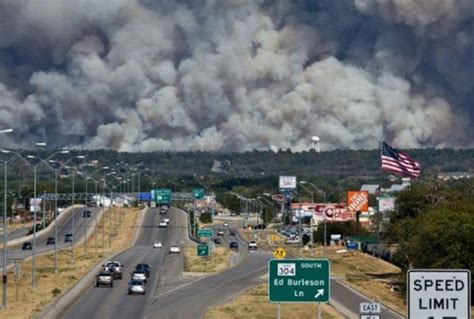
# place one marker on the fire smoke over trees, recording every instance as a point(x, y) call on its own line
point(236, 75)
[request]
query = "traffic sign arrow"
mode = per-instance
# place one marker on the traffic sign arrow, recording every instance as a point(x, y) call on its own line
point(319, 293)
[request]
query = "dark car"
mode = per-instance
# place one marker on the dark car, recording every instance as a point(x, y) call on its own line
point(86, 214)
point(27, 246)
point(231, 233)
point(50, 241)
point(217, 241)
point(234, 246)
point(68, 238)
point(145, 268)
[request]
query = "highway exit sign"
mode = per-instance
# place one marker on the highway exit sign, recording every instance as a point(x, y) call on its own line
point(203, 250)
point(205, 232)
point(299, 280)
point(439, 293)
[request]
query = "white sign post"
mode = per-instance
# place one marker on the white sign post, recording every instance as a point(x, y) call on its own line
point(369, 310)
point(439, 294)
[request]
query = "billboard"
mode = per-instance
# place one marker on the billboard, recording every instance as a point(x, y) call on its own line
point(332, 212)
point(386, 204)
point(358, 201)
point(35, 204)
point(287, 182)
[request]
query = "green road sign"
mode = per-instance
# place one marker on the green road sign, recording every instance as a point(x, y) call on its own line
point(205, 233)
point(203, 250)
point(162, 196)
point(198, 193)
point(299, 280)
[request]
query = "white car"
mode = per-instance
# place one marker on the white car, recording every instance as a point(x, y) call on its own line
point(174, 249)
point(220, 233)
point(226, 224)
point(136, 287)
point(252, 246)
point(157, 244)
point(163, 224)
point(139, 275)
point(166, 220)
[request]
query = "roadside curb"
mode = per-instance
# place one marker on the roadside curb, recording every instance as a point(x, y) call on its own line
point(64, 302)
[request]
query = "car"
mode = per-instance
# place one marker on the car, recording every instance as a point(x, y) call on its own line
point(174, 249)
point(220, 233)
point(234, 246)
point(50, 241)
point(157, 244)
point(86, 214)
point(143, 267)
point(163, 211)
point(226, 224)
point(252, 246)
point(68, 238)
point(292, 241)
point(166, 220)
point(163, 224)
point(114, 267)
point(231, 233)
point(104, 279)
point(27, 246)
point(217, 241)
point(233, 214)
point(136, 287)
point(139, 275)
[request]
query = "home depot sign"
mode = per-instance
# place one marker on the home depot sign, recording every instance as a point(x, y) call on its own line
point(358, 201)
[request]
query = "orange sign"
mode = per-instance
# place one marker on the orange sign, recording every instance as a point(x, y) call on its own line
point(358, 201)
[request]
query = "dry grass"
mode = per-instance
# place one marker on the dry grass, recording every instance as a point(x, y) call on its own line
point(218, 260)
point(15, 226)
point(254, 304)
point(49, 285)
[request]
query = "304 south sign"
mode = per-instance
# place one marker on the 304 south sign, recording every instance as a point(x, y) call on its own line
point(298, 280)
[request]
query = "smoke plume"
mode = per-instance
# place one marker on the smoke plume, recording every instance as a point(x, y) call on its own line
point(236, 75)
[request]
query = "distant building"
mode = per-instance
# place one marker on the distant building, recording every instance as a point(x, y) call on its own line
point(371, 188)
point(454, 175)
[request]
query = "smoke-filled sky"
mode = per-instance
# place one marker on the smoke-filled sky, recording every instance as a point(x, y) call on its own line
point(236, 75)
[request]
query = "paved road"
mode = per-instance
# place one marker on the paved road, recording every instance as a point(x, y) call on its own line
point(115, 302)
point(64, 227)
point(17, 233)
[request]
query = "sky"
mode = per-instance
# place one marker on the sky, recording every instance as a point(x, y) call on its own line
point(236, 75)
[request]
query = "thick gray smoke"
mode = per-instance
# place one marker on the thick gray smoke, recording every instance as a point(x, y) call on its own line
point(236, 75)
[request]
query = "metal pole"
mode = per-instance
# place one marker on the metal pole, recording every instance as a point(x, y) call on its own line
point(110, 220)
point(87, 219)
point(33, 260)
point(324, 244)
point(95, 216)
point(319, 310)
point(279, 311)
point(55, 221)
point(299, 223)
point(5, 239)
point(73, 218)
point(103, 214)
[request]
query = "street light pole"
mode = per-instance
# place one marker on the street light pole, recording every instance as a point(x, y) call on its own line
point(73, 218)
point(87, 219)
point(5, 238)
point(33, 260)
point(56, 221)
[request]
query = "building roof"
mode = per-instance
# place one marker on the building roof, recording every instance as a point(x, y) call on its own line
point(371, 188)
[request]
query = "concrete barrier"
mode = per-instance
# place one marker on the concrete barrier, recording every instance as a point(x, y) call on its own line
point(59, 306)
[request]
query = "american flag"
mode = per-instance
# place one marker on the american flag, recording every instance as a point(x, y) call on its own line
point(399, 163)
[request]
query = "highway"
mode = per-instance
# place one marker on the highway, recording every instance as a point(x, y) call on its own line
point(115, 302)
point(64, 227)
point(169, 294)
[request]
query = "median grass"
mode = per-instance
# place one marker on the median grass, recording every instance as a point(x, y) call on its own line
point(254, 304)
point(28, 302)
point(217, 261)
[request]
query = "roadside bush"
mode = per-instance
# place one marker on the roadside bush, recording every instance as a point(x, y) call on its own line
point(205, 218)
point(56, 292)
